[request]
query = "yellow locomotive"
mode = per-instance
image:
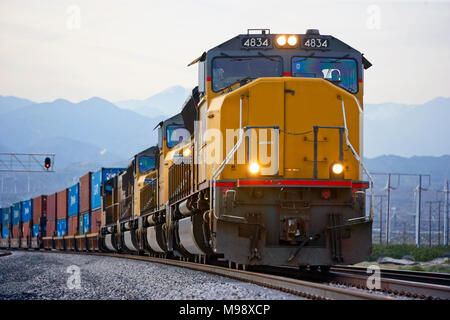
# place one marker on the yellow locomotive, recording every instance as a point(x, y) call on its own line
point(263, 165)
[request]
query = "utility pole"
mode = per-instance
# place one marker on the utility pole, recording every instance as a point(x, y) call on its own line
point(439, 222)
point(404, 233)
point(388, 212)
point(381, 215)
point(447, 191)
point(419, 206)
point(389, 187)
point(429, 222)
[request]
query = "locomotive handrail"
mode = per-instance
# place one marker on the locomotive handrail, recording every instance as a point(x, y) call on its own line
point(358, 158)
point(218, 171)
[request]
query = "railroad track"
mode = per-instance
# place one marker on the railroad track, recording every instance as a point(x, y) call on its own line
point(306, 289)
point(395, 283)
point(340, 283)
point(411, 284)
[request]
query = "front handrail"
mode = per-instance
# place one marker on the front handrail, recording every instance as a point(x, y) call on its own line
point(357, 157)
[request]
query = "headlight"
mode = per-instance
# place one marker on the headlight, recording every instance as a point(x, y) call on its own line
point(187, 152)
point(292, 40)
point(254, 168)
point(337, 168)
point(281, 41)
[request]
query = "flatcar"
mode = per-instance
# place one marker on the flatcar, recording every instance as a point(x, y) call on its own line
point(262, 166)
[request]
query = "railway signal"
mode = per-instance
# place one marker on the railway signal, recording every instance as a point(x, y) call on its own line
point(27, 162)
point(48, 163)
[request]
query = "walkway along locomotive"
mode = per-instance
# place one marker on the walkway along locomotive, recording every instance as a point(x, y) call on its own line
point(262, 166)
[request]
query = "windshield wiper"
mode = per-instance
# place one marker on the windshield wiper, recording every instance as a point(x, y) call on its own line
point(337, 59)
point(241, 83)
point(265, 56)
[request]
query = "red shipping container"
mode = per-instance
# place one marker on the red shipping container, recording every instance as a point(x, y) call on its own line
point(61, 206)
point(85, 193)
point(39, 209)
point(51, 228)
point(26, 226)
point(51, 207)
point(73, 226)
point(96, 220)
point(16, 232)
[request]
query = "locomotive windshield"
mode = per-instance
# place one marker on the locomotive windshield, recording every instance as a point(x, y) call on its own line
point(146, 163)
point(227, 71)
point(342, 72)
point(175, 135)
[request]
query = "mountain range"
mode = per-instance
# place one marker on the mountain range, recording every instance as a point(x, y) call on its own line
point(166, 103)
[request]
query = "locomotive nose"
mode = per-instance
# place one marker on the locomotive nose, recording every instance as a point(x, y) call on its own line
point(282, 115)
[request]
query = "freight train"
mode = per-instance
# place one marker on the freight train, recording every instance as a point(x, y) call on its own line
point(262, 166)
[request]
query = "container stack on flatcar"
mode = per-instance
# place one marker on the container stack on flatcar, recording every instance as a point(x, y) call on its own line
point(6, 227)
point(61, 219)
point(84, 218)
point(104, 175)
point(27, 223)
point(50, 231)
point(39, 221)
point(16, 225)
point(73, 210)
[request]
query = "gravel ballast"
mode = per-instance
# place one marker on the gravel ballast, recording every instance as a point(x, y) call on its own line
point(40, 275)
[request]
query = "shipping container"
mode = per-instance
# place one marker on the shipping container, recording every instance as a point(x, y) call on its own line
point(80, 224)
point(6, 217)
point(74, 200)
point(39, 209)
point(5, 232)
point(72, 225)
point(51, 207)
point(26, 232)
point(85, 193)
point(96, 221)
point(86, 223)
point(61, 228)
point(50, 232)
point(27, 210)
point(61, 207)
point(97, 179)
point(16, 213)
point(36, 229)
point(51, 228)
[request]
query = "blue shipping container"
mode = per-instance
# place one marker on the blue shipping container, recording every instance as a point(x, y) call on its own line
point(16, 212)
point(5, 232)
point(35, 230)
point(97, 179)
point(6, 216)
point(74, 200)
point(61, 228)
point(86, 223)
point(27, 210)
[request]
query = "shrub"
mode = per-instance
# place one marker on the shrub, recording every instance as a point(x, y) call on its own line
point(397, 251)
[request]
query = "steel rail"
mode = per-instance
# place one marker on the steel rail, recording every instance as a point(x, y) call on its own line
point(396, 282)
point(415, 276)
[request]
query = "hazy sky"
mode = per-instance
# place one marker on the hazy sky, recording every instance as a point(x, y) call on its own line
point(132, 49)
